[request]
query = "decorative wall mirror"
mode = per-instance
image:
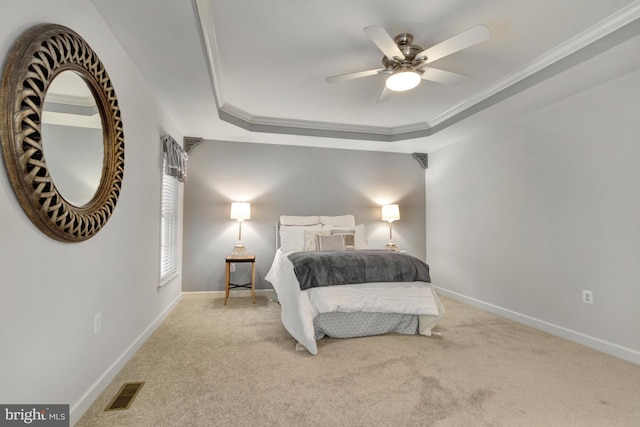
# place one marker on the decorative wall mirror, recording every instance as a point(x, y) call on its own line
point(52, 74)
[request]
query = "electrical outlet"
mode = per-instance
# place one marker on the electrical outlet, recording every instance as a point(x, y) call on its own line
point(233, 267)
point(587, 297)
point(97, 323)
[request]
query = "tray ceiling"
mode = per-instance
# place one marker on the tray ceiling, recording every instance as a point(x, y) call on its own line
point(255, 71)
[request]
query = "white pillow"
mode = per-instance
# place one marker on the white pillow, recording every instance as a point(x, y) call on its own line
point(311, 239)
point(338, 221)
point(299, 220)
point(360, 242)
point(292, 236)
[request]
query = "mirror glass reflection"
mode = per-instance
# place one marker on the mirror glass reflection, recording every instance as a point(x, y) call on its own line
point(72, 138)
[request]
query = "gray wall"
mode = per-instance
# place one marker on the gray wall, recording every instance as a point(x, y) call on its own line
point(521, 219)
point(280, 179)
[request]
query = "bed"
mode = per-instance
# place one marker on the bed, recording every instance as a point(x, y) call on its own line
point(330, 283)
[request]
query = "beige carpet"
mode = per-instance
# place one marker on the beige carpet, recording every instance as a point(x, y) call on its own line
point(235, 365)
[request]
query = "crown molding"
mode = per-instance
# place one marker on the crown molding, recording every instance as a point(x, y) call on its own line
point(208, 35)
point(309, 124)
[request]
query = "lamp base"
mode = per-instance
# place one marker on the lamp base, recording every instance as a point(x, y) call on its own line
point(390, 246)
point(239, 250)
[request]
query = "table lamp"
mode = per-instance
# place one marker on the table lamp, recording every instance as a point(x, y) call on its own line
point(390, 213)
point(240, 211)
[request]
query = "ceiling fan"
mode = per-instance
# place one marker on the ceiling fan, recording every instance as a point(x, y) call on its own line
point(406, 63)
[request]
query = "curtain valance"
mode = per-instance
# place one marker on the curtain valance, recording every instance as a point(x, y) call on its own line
point(176, 158)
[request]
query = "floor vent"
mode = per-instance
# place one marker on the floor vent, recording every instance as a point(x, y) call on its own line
point(125, 397)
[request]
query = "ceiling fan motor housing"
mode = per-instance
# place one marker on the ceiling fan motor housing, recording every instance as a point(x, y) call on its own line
point(409, 51)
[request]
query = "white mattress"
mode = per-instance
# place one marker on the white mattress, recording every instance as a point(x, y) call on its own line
point(299, 308)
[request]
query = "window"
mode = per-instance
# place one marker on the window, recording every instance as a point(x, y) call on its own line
point(169, 226)
point(174, 171)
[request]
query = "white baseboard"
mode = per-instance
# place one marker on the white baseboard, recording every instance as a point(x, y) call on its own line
point(80, 407)
point(612, 349)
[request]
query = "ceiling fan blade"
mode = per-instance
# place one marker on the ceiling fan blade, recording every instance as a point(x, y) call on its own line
point(383, 40)
point(356, 75)
point(442, 76)
point(384, 95)
point(465, 39)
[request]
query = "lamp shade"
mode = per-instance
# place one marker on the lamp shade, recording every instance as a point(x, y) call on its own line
point(390, 213)
point(240, 210)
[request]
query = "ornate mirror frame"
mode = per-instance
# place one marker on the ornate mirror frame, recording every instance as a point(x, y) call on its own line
point(36, 58)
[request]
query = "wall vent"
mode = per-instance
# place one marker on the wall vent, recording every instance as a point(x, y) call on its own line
point(125, 397)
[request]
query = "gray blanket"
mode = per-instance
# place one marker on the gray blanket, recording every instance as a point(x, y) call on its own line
point(315, 269)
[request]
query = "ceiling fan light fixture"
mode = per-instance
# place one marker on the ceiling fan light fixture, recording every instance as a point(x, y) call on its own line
point(403, 80)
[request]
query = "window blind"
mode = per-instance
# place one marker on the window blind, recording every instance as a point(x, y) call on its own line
point(169, 237)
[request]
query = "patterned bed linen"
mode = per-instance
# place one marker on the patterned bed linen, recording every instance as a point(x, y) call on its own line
point(363, 324)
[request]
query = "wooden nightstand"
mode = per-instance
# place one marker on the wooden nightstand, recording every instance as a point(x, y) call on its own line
point(247, 258)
